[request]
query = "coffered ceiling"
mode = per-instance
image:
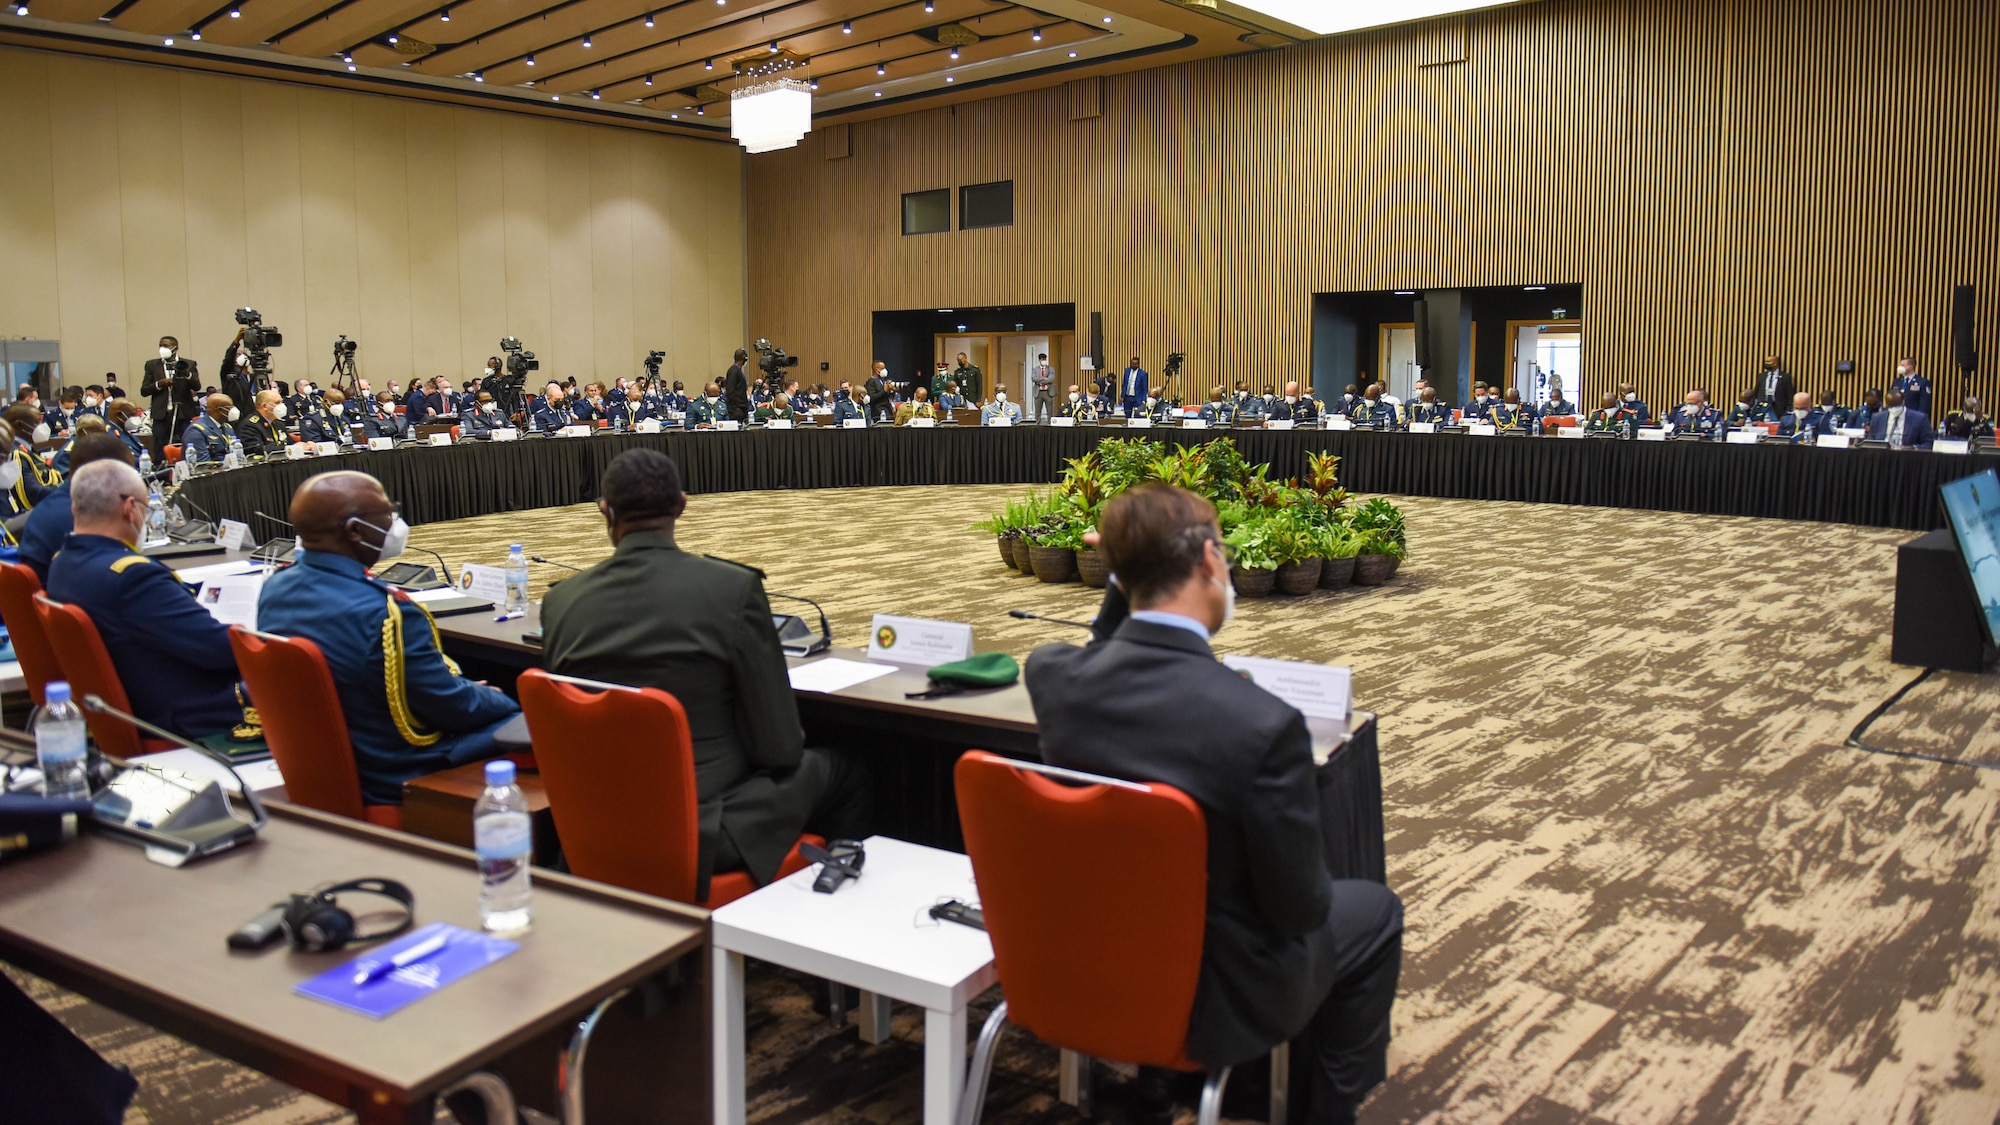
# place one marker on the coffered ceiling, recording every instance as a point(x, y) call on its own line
point(660, 64)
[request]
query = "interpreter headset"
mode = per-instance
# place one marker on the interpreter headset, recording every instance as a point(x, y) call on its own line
point(314, 921)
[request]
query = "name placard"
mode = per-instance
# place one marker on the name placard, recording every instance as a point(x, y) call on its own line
point(505, 433)
point(1194, 423)
point(1279, 424)
point(1000, 420)
point(729, 426)
point(923, 423)
point(854, 424)
point(576, 431)
point(918, 640)
point(1834, 441)
point(381, 443)
point(1742, 437)
point(1571, 432)
point(1339, 422)
point(1140, 422)
point(649, 425)
point(298, 451)
point(1653, 435)
point(1423, 427)
point(1951, 445)
point(769, 424)
point(1855, 432)
point(232, 534)
point(327, 448)
point(441, 439)
point(1318, 690)
point(489, 582)
point(1062, 421)
point(1482, 429)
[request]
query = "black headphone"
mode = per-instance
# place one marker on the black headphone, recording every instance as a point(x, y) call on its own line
point(314, 921)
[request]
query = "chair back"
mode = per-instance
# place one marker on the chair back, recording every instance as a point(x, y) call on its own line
point(1095, 894)
point(292, 687)
point(87, 665)
point(18, 587)
point(173, 452)
point(618, 765)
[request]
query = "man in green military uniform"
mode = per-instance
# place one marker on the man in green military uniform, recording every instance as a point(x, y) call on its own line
point(758, 785)
point(971, 381)
point(704, 412)
point(780, 407)
point(1612, 417)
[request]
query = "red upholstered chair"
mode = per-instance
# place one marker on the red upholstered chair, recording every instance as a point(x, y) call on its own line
point(87, 665)
point(1551, 425)
point(618, 764)
point(292, 688)
point(454, 433)
point(173, 458)
point(1095, 895)
point(1770, 428)
point(18, 587)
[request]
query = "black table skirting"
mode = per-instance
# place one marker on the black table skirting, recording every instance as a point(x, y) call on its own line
point(1872, 487)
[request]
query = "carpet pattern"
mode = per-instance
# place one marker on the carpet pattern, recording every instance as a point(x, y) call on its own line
point(1645, 881)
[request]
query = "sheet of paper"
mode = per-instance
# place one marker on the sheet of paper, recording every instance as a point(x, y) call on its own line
point(258, 775)
point(441, 594)
point(195, 575)
point(232, 598)
point(833, 674)
point(1317, 690)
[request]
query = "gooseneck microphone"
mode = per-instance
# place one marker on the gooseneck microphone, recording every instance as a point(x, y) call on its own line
point(1026, 616)
point(286, 524)
point(552, 562)
point(825, 631)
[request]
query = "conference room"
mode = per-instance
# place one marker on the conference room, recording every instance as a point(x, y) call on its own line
point(949, 561)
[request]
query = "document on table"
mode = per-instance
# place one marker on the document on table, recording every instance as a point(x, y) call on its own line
point(232, 598)
point(439, 594)
point(833, 674)
point(260, 775)
point(195, 575)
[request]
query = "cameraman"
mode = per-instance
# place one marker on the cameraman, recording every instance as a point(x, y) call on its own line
point(736, 389)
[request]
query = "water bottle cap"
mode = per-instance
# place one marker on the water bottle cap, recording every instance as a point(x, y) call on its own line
point(516, 548)
point(499, 771)
point(57, 691)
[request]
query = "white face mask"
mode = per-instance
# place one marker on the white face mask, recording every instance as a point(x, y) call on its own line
point(132, 423)
point(490, 408)
point(338, 409)
point(234, 414)
point(1000, 396)
point(10, 473)
point(90, 400)
point(42, 432)
point(1228, 601)
point(394, 540)
point(279, 411)
point(1152, 400)
point(166, 353)
point(1291, 398)
point(1633, 397)
point(1073, 396)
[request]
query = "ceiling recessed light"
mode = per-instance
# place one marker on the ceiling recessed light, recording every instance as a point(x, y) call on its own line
point(929, 7)
point(531, 60)
point(702, 111)
point(649, 19)
point(235, 13)
point(847, 29)
point(954, 52)
point(347, 58)
point(1107, 19)
point(21, 10)
point(774, 46)
point(555, 97)
point(709, 65)
point(813, 85)
point(1072, 54)
point(948, 78)
point(597, 95)
point(1038, 35)
point(649, 80)
point(170, 41)
point(675, 116)
point(878, 93)
point(881, 69)
point(586, 40)
point(444, 16)
point(478, 77)
point(195, 35)
point(392, 40)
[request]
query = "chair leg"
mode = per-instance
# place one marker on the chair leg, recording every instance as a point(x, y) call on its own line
point(493, 1093)
point(1281, 1083)
point(1211, 1097)
point(973, 1101)
point(569, 1079)
point(1073, 1081)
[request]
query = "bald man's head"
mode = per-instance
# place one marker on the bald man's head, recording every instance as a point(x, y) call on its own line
point(344, 513)
point(218, 407)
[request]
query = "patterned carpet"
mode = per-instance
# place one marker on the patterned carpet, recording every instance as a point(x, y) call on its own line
point(1645, 881)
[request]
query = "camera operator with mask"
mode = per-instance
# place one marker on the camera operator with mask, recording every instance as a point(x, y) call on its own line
point(171, 382)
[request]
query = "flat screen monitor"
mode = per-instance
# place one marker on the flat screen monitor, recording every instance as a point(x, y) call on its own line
point(1972, 508)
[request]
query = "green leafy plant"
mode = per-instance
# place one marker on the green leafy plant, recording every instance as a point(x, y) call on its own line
point(1124, 462)
point(1336, 542)
point(1291, 536)
point(1378, 515)
point(1377, 542)
point(1084, 481)
point(1250, 545)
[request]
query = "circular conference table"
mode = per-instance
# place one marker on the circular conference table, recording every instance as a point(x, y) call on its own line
point(1873, 487)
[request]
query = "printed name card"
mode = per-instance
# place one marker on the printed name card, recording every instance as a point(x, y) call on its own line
point(1834, 441)
point(233, 534)
point(1742, 437)
point(1279, 424)
point(489, 582)
point(1339, 422)
point(1856, 432)
point(923, 423)
point(327, 448)
point(854, 424)
point(1062, 421)
point(576, 431)
point(919, 640)
point(298, 451)
point(441, 438)
point(1653, 435)
point(381, 443)
point(1570, 431)
point(1951, 445)
point(649, 425)
point(505, 433)
point(771, 424)
point(1001, 420)
point(1194, 423)
point(1482, 429)
point(1142, 423)
point(729, 426)
point(1317, 690)
point(1423, 427)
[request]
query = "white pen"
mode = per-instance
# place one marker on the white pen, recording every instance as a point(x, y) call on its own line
point(379, 969)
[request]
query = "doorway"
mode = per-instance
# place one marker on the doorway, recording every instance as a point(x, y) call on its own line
point(1004, 359)
point(1546, 355)
point(1399, 360)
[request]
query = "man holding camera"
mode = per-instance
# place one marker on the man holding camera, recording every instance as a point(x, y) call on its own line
point(172, 382)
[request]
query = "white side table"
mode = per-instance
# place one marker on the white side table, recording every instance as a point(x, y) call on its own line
point(874, 934)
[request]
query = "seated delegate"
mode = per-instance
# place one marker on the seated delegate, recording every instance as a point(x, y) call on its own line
point(1286, 950)
point(52, 520)
point(759, 786)
point(408, 710)
point(1900, 426)
point(173, 658)
point(206, 439)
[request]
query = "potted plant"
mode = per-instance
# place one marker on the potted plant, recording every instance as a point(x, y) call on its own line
point(1382, 523)
point(1052, 551)
point(1254, 570)
point(1375, 558)
point(1338, 547)
point(1295, 544)
point(1003, 527)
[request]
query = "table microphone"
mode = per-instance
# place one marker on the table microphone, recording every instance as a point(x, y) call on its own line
point(825, 631)
point(183, 533)
point(552, 562)
point(1026, 616)
point(286, 524)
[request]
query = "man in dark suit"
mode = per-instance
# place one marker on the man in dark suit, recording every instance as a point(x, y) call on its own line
point(1286, 949)
point(736, 389)
point(759, 786)
point(1901, 426)
point(1132, 386)
point(171, 382)
point(1774, 386)
point(876, 390)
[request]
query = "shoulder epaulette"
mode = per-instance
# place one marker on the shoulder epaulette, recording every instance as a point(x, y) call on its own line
point(733, 562)
point(126, 563)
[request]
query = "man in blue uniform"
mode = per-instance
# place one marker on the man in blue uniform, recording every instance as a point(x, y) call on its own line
point(264, 431)
point(482, 418)
point(1915, 388)
point(704, 412)
point(1695, 416)
point(1509, 415)
point(1301, 410)
point(334, 423)
point(173, 658)
point(1871, 405)
point(408, 710)
point(51, 521)
point(1629, 396)
point(1829, 416)
point(1428, 409)
point(207, 438)
point(1749, 410)
point(1217, 411)
point(845, 408)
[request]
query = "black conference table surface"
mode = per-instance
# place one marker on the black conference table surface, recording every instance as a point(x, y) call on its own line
point(911, 744)
point(1873, 487)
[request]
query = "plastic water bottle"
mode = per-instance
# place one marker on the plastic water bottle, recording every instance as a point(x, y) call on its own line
point(503, 836)
point(145, 463)
point(235, 454)
point(59, 745)
point(517, 580)
point(156, 517)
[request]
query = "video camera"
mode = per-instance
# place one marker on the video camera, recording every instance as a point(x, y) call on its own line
point(1174, 361)
point(258, 340)
point(653, 364)
point(519, 362)
point(773, 362)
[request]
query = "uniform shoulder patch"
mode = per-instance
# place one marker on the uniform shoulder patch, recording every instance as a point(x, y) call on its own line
point(128, 562)
point(734, 563)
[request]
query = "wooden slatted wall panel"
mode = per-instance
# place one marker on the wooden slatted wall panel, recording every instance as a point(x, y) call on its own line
point(1724, 178)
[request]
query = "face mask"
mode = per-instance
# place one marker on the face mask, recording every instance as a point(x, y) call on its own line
point(10, 473)
point(1295, 398)
point(393, 540)
point(90, 400)
point(1228, 601)
point(1634, 397)
point(234, 413)
point(166, 353)
point(338, 409)
point(711, 398)
point(1152, 400)
point(1073, 396)
point(1000, 397)
point(491, 408)
point(279, 411)
point(42, 432)
point(132, 423)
